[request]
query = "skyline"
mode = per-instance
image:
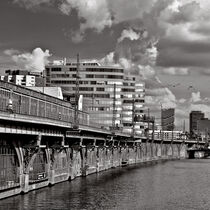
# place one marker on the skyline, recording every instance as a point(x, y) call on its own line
point(165, 41)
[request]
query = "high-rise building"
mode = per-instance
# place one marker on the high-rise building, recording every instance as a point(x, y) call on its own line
point(203, 128)
point(167, 119)
point(113, 97)
point(194, 117)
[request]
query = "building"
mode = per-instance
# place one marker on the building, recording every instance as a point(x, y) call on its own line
point(169, 135)
point(133, 93)
point(51, 91)
point(167, 119)
point(113, 97)
point(23, 77)
point(203, 128)
point(194, 117)
point(32, 80)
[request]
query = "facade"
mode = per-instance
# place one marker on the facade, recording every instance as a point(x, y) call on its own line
point(23, 77)
point(203, 126)
point(133, 93)
point(194, 117)
point(111, 97)
point(51, 91)
point(169, 135)
point(167, 119)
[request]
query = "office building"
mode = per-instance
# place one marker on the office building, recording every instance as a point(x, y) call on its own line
point(113, 97)
point(167, 119)
point(194, 117)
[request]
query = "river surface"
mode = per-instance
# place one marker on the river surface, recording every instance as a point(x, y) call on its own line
point(172, 185)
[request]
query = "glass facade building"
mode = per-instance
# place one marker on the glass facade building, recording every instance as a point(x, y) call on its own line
point(111, 97)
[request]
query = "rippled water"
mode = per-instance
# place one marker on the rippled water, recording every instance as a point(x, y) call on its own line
point(173, 185)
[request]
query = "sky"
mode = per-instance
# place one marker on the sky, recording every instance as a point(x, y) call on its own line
point(166, 42)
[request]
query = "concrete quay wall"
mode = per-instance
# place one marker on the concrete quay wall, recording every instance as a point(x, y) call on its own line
point(62, 164)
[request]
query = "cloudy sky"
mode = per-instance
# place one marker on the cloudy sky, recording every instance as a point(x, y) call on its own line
point(167, 42)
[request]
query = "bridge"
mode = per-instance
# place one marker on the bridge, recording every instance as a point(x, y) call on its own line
point(40, 147)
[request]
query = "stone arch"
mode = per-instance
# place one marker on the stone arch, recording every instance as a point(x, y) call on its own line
point(153, 150)
point(183, 151)
point(164, 150)
point(170, 150)
point(10, 164)
point(149, 150)
point(59, 161)
point(102, 156)
point(175, 150)
point(139, 152)
point(158, 149)
point(37, 165)
point(143, 150)
point(76, 162)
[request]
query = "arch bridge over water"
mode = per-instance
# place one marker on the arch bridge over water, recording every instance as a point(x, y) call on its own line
point(39, 147)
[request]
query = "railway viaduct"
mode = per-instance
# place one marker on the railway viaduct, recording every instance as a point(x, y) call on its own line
point(37, 151)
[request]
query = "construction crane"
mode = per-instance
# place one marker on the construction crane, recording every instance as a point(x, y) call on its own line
point(114, 109)
point(76, 120)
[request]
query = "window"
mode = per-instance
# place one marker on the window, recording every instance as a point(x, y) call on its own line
point(99, 89)
point(55, 69)
point(89, 75)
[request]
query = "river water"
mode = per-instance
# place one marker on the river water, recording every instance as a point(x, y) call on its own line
point(172, 185)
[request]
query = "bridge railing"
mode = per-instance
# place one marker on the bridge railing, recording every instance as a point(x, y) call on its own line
point(18, 100)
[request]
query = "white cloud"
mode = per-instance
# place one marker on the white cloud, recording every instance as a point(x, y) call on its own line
point(94, 14)
point(164, 96)
point(34, 61)
point(108, 59)
point(196, 97)
point(175, 71)
point(130, 34)
point(147, 71)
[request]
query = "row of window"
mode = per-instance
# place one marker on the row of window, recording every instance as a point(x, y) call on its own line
point(96, 95)
point(104, 70)
point(54, 69)
point(104, 76)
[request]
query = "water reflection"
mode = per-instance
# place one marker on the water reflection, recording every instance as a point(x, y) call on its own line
point(172, 185)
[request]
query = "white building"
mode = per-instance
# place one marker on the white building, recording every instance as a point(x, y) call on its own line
point(96, 83)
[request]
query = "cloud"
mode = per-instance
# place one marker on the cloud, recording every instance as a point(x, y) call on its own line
point(195, 97)
point(185, 41)
point(98, 14)
point(175, 71)
point(30, 4)
point(34, 61)
point(159, 96)
point(94, 14)
point(131, 34)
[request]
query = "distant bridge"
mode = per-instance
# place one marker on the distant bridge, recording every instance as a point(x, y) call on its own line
point(199, 152)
